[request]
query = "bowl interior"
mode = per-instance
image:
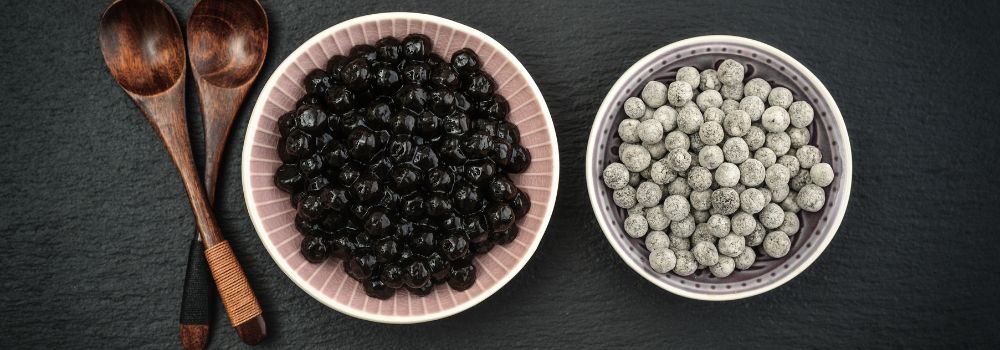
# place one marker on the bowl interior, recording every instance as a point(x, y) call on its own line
point(827, 132)
point(272, 213)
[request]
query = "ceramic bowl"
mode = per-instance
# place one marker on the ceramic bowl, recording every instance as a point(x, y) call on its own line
point(828, 133)
point(272, 213)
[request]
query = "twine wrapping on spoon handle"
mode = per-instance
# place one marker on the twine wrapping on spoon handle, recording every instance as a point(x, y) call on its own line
point(237, 297)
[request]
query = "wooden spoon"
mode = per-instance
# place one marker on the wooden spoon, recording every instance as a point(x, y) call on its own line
point(144, 50)
point(227, 40)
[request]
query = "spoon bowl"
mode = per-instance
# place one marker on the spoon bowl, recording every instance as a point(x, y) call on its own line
point(142, 45)
point(228, 41)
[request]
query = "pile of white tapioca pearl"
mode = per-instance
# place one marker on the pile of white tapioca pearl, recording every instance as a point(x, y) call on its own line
point(712, 168)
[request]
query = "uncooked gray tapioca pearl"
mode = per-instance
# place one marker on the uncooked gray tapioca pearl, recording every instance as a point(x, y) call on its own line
point(667, 116)
point(757, 87)
point(745, 259)
point(701, 200)
point(689, 119)
point(791, 224)
point(705, 253)
point(743, 223)
point(757, 236)
point(656, 150)
point(811, 198)
point(647, 115)
point(654, 94)
point(753, 106)
point(718, 225)
point(780, 97)
point(731, 72)
point(776, 244)
point(679, 243)
point(678, 159)
point(701, 235)
point(728, 106)
point(635, 157)
point(645, 174)
point(776, 175)
point(755, 137)
point(731, 245)
point(799, 180)
point(727, 174)
point(679, 93)
point(634, 179)
point(713, 114)
point(650, 131)
point(662, 260)
point(779, 142)
point(689, 75)
point(789, 204)
point(636, 210)
point(725, 201)
point(801, 114)
point(709, 80)
point(701, 216)
point(752, 200)
point(656, 219)
point(635, 108)
point(767, 194)
point(771, 216)
point(774, 119)
point(660, 172)
point(628, 130)
point(790, 162)
point(679, 187)
point(808, 156)
point(699, 178)
point(739, 187)
point(657, 240)
point(735, 150)
point(709, 99)
point(677, 140)
point(723, 268)
point(686, 265)
point(732, 91)
point(798, 137)
point(676, 207)
point(648, 194)
point(711, 133)
point(696, 143)
point(616, 176)
point(779, 193)
point(711, 157)
point(821, 174)
point(684, 227)
point(765, 156)
point(736, 124)
point(624, 197)
point(752, 172)
point(636, 226)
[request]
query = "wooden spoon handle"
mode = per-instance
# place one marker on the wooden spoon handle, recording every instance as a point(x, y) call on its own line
point(165, 112)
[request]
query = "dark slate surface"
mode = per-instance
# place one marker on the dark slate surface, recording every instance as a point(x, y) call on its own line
point(94, 224)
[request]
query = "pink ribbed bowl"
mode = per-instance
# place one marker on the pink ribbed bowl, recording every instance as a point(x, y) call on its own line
point(272, 213)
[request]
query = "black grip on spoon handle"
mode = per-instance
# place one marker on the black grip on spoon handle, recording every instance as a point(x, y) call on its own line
point(199, 294)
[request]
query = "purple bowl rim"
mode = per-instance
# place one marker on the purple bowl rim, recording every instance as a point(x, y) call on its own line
point(637, 70)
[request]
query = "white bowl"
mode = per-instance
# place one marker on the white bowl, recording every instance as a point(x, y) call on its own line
point(828, 133)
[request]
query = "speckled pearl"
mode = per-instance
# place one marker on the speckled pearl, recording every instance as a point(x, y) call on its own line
point(662, 260)
point(776, 244)
point(634, 107)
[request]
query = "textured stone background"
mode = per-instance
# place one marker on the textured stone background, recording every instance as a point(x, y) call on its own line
point(95, 227)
